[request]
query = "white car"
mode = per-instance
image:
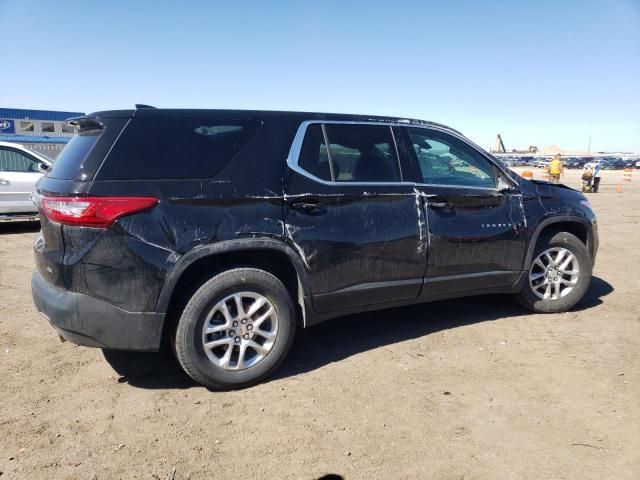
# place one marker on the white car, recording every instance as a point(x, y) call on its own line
point(20, 169)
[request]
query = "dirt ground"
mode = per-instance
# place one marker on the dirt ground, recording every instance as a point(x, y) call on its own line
point(473, 388)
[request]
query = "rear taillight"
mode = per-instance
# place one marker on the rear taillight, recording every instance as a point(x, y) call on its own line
point(99, 212)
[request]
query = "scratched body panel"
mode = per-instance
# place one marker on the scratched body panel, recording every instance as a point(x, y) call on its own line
point(127, 264)
point(361, 234)
point(365, 245)
point(475, 232)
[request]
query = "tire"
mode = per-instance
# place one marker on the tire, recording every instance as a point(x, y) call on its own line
point(553, 244)
point(214, 367)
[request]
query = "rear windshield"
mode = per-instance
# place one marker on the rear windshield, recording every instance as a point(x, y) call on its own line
point(72, 156)
point(176, 148)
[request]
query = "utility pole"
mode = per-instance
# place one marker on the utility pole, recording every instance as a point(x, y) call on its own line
point(589, 147)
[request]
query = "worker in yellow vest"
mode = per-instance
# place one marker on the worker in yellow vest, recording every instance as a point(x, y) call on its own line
point(555, 169)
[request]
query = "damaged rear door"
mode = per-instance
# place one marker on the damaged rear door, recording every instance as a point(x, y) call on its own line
point(476, 230)
point(352, 216)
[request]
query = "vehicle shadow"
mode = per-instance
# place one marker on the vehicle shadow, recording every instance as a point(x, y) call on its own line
point(344, 337)
point(19, 227)
point(597, 289)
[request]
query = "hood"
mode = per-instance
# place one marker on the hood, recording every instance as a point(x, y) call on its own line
point(547, 189)
point(554, 185)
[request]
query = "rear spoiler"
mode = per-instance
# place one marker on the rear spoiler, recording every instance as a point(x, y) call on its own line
point(84, 122)
point(91, 121)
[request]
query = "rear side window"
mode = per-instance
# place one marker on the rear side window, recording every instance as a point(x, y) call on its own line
point(355, 153)
point(363, 153)
point(314, 156)
point(74, 154)
point(180, 148)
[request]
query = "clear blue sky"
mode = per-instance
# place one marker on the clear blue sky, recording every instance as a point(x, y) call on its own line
point(539, 72)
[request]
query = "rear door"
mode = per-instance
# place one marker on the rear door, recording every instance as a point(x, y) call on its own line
point(19, 173)
point(476, 229)
point(352, 215)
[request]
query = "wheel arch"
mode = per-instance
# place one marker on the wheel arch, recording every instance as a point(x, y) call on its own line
point(202, 262)
point(578, 226)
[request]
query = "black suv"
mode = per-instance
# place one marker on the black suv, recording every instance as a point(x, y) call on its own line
point(219, 232)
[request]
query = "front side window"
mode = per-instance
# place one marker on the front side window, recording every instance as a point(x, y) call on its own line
point(355, 153)
point(14, 161)
point(445, 160)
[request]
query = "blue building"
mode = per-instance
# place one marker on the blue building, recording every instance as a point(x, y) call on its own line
point(41, 130)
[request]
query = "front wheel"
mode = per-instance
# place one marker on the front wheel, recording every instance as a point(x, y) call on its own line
point(559, 275)
point(236, 329)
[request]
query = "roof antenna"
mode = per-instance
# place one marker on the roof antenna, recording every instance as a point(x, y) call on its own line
point(142, 105)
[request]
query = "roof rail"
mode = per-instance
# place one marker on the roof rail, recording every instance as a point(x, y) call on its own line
point(142, 105)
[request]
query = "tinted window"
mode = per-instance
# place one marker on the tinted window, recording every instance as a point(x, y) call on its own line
point(14, 161)
point(161, 148)
point(363, 153)
point(72, 156)
point(445, 160)
point(314, 157)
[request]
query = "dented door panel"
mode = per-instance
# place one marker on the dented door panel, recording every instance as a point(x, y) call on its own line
point(473, 231)
point(360, 238)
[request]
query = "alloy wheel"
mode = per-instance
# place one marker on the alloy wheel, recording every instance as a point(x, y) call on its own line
point(240, 331)
point(554, 273)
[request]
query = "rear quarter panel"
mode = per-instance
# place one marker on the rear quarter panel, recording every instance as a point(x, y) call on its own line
point(127, 264)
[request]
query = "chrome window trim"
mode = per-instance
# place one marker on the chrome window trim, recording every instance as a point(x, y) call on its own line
point(296, 148)
point(459, 187)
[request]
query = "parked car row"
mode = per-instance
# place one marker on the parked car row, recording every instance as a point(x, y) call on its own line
point(608, 163)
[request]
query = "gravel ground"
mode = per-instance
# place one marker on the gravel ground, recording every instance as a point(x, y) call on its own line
point(472, 388)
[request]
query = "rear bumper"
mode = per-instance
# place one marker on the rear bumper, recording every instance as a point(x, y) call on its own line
point(87, 321)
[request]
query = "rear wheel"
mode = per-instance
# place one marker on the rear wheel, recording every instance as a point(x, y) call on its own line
point(236, 329)
point(559, 275)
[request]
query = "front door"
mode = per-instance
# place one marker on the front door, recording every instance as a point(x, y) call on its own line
point(351, 216)
point(476, 230)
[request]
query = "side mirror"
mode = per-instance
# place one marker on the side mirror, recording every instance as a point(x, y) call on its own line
point(43, 167)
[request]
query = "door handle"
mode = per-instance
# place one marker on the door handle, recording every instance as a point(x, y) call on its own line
point(4, 181)
point(308, 205)
point(436, 201)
